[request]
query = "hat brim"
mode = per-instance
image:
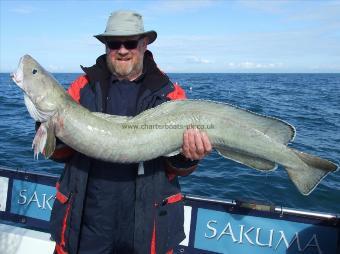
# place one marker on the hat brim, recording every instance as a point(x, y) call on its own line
point(104, 37)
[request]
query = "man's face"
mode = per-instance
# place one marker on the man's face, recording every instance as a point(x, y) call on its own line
point(124, 56)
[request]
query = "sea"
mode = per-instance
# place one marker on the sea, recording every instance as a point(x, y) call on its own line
point(310, 102)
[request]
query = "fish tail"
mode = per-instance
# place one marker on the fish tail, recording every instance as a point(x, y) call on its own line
point(307, 178)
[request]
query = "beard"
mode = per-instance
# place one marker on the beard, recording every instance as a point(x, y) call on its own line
point(129, 69)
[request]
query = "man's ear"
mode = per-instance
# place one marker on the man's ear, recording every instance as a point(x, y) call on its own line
point(145, 43)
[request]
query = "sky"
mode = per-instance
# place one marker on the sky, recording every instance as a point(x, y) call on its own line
point(193, 36)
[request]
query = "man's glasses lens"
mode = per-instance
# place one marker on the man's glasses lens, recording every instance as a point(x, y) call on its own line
point(127, 44)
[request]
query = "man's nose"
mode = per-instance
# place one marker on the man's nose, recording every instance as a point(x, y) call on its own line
point(122, 50)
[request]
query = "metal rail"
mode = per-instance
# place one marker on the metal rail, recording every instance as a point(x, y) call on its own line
point(233, 203)
point(264, 207)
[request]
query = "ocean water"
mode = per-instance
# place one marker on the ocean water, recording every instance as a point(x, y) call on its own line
point(310, 102)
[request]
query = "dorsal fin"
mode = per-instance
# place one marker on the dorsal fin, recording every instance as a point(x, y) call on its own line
point(275, 128)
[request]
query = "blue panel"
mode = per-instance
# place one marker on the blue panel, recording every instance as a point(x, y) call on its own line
point(231, 233)
point(32, 199)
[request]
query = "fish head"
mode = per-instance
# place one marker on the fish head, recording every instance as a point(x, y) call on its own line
point(42, 92)
point(32, 78)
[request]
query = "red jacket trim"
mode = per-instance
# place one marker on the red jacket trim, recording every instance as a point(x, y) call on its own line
point(175, 198)
point(59, 196)
point(153, 240)
point(63, 230)
point(63, 199)
point(59, 249)
point(177, 94)
point(76, 86)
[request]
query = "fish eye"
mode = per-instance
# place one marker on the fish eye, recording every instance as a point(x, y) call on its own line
point(34, 71)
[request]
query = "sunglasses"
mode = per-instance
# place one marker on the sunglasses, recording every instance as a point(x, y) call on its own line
point(130, 44)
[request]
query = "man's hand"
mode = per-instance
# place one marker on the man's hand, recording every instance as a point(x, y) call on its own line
point(196, 144)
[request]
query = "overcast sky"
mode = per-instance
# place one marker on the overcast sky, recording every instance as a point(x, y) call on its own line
point(193, 36)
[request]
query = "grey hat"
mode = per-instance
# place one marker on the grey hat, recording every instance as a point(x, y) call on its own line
point(125, 23)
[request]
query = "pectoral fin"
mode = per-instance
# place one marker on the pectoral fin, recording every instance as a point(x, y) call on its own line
point(246, 159)
point(44, 141)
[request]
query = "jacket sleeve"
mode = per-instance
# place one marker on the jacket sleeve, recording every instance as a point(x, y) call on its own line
point(62, 152)
point(179, 164)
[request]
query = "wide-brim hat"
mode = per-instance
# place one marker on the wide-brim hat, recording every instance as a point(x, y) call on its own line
point(125, 23)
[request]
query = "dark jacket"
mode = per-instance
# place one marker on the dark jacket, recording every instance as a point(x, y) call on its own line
point(158, 205)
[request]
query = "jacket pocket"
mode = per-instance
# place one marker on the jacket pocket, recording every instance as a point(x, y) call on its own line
point(171, 213)
point(60, 219)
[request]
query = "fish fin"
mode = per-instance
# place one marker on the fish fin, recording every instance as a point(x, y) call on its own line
point(44, 141)
point(248, 160)
point(37, 115)
point(112, 118)
point(275, 128)
point(173, 153)
point(306, 179)
point(282, 133)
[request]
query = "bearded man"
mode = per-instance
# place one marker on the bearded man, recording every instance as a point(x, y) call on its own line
point(107, 208)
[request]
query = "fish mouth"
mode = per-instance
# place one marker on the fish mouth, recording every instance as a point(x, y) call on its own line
point(15, 79)
point(18, 75)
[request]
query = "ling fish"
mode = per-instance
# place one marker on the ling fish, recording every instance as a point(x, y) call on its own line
point(254, 140)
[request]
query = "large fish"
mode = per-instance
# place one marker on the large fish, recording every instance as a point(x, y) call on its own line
point(254, 140)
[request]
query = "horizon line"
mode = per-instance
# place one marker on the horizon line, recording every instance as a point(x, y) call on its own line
point(210, 72)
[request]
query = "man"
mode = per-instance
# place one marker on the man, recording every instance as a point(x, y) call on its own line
point(110, 208)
